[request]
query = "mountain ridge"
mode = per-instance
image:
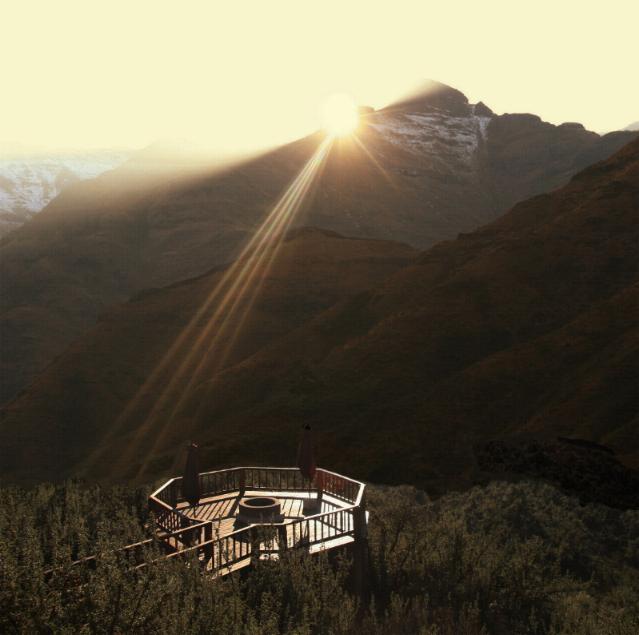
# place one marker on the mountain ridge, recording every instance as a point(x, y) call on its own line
point(521, 328)
point(29, 182)
point(421, 177)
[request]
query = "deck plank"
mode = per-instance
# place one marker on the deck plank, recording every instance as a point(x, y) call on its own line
point(222, 509)
point(226, 553)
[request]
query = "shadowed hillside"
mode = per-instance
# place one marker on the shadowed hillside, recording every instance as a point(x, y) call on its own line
point(83, 396)
point(524, 327)
point(527, 325)
point(420, 172)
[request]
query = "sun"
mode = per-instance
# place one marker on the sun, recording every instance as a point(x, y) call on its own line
point(339, 115)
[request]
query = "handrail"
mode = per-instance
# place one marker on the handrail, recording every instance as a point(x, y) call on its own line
point(147, 542)
point(325, 480)
point(293, 538)
point(183, 535)
point(237, 546)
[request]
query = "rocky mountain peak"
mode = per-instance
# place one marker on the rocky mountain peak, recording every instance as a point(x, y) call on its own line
point(482, 110)
point(433, 95)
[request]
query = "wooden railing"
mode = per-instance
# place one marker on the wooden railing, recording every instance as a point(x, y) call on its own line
point(168, 518)
point(181, 536)
point(221, 554)
point(187, 537)
point(284, 479)
point(340, 487)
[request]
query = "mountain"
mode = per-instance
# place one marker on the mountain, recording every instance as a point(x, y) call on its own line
point(80, 396)
point(633, 126)
point(524, 328)
point(28, 183)
point(420, 171)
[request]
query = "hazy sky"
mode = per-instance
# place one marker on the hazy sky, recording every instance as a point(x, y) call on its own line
point(241, 75)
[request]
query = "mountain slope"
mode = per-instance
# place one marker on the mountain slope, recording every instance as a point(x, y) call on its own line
point(527, 325)
point(79, 398)
point(422, 171)
point(28, 183)
point(524, 327)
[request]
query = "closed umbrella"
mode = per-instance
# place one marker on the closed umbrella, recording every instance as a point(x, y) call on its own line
point(191, 477)
point(306, 462)
point(306, 454)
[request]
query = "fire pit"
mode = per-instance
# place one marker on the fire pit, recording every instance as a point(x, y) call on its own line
point(259, 509)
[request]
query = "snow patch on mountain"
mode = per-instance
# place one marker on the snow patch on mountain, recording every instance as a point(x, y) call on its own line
point(434, 132)
point(28, 184)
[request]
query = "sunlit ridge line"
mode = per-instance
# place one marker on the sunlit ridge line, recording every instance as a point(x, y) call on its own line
point(276, 237)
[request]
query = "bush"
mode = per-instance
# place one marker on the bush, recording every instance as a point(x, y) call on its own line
point(505, 558)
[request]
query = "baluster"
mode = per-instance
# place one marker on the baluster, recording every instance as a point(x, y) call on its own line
point(208, 537)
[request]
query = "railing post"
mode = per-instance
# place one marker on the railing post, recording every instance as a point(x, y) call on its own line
point(319, 482)
point(242, 481)
point(185, 523)
point(360, 549)
point(208, 541)
point(282, 537)
point(254, 541)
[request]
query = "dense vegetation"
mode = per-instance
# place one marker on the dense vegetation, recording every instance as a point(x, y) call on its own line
point(505, 558)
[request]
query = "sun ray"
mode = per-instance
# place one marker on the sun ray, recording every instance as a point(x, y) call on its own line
point(254, 269)
point(234, 283)
point(375, 162)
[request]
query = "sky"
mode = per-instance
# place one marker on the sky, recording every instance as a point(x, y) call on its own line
point(239, 76)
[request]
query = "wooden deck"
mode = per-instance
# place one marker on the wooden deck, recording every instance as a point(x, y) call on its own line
point(222, 509)
point(210, 531)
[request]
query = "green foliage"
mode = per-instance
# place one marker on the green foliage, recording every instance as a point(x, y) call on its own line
point(508, 558)
point(505, 558)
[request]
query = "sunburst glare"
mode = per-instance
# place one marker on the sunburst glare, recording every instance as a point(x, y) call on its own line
point(339, 115)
